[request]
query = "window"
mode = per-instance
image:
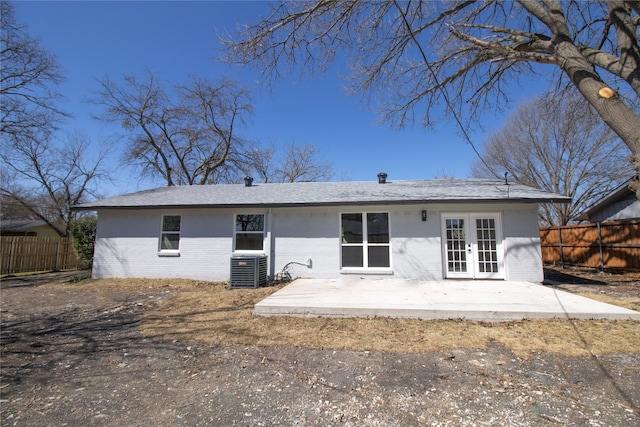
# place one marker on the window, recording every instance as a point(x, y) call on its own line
point(365, 240)
point(170, 237)
point(249, 232)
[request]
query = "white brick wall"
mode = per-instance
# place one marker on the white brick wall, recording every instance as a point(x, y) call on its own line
point(523, 256)
point(313, 233)
point(127, 245)
point(416, 251)
point(307, 233)
point(127, 242)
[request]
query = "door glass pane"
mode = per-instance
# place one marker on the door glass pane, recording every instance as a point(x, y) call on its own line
point(487, 245)
point(378, 228)
point(352, 228)
point(456, 245)
point(352, 256)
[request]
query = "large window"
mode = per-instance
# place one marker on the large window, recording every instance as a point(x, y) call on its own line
point(365, 240)
point(170, 235)
point(249, 233)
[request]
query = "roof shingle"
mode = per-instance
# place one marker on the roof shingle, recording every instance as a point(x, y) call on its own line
point(326, 193)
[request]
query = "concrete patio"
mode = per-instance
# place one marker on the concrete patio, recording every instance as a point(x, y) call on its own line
point(485, 300)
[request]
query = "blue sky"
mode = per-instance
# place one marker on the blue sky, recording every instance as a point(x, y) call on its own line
point(179, 39)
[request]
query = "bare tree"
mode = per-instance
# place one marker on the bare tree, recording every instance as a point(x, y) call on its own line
point(415, 56)
point(29, 77)
point(41, 178)
point(47, 179)
point(187, 137)
point(562, 147)
point(261, 161)
point(9, 207)
point(303, 163)
point(297, 163)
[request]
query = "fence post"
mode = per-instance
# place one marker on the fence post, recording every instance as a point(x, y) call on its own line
point(57, 267)
point(560, 245)
point(600, 246)
point(11, 255)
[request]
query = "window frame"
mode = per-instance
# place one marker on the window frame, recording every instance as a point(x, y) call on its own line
point(169, 251)
point(365, 244)
point(262, 233)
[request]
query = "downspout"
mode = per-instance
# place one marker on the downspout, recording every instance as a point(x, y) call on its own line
point(269, 250)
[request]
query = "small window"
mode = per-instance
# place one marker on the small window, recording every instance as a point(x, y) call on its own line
point(249, 232)
point(170, 237)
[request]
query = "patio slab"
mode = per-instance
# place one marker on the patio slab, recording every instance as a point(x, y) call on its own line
point(484, 300)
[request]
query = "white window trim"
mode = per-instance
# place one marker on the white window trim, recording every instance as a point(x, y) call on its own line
point(365, 245)
point(263, 232)
point(169, 252)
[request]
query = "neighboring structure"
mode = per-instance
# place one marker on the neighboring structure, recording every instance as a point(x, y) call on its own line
point(620, 204)
point(26, 227)
point(608, 239)
point(427, 230)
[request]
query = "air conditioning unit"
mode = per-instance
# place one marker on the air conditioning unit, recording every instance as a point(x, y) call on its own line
point(248, 272)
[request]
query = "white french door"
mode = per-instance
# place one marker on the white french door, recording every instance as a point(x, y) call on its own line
point(472, 246)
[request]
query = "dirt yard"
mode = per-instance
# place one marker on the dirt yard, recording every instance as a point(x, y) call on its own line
point(144, 353)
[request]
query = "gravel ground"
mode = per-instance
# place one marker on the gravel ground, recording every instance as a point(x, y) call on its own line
point(78, 358)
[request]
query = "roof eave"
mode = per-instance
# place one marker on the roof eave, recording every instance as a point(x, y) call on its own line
point(613, 196)
point(320, 204)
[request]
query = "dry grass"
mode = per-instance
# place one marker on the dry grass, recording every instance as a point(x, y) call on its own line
point(632, 303)
point(211, 313)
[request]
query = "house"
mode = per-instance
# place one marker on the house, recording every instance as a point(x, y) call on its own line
point(620, 204)
point(427, 230)
point(26, 227)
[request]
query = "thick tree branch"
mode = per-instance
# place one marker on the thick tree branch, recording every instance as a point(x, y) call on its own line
point(406, 55)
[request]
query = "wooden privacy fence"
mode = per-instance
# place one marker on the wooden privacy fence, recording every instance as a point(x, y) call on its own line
point(607, 245)
point(23, 254)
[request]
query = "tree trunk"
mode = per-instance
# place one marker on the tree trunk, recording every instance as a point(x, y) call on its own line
point(613, 110)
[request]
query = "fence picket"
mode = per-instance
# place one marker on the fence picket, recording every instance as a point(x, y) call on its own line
point(607, 245)
point(24, 254)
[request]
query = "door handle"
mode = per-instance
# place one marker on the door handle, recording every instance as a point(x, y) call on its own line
point(469, 247)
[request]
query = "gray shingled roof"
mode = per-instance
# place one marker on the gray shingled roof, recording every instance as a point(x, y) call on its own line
point(326, 193)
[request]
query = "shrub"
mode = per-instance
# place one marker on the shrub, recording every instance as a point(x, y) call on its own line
point(83, 231)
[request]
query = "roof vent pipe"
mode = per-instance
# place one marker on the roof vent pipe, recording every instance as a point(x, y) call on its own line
point(248, 181)
point(382, 178)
